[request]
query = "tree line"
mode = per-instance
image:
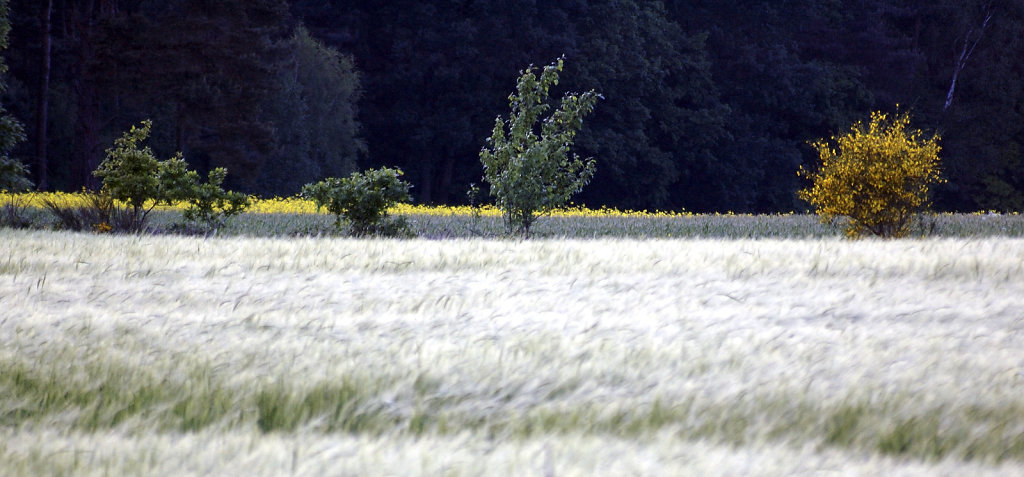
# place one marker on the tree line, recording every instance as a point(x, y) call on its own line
point(709, 106)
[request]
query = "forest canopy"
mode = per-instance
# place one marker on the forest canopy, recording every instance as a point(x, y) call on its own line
point(709, 106)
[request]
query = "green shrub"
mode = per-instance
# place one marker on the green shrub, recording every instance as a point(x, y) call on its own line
point(878, 176)
point(362, 200)
point(531, 174)
point(131, 174)
point(134, 175)
point(210, 205)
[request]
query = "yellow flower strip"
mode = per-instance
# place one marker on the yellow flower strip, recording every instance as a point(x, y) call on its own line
point(298, 205)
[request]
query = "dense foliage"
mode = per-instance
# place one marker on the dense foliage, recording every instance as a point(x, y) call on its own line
point(362, 200)
point(132, 174)
point(527, 165)
point(709, 105)
point(209, 205)
point(877, 176)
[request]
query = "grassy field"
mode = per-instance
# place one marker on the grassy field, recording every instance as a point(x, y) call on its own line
point(296, 217)
point(172, 355)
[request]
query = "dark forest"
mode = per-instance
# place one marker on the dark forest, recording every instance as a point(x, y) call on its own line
point(709, 105)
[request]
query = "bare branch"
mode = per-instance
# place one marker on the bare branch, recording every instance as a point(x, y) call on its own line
point(965, 54)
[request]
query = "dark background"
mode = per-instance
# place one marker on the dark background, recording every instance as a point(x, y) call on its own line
point(709, 105)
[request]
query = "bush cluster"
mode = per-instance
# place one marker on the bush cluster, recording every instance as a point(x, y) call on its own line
point(132, 175)
point(362, 201)
point(877, 176)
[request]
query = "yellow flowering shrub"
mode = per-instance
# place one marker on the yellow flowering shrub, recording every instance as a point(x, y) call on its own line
point(877, 176)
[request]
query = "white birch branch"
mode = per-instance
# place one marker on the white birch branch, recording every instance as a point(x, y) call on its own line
point(965, 54)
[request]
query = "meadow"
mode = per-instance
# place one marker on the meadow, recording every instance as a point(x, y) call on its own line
point(289, 353)
point(297, 217)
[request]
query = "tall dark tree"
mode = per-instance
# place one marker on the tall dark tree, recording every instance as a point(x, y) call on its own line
point(434, 73)
point(212, 64)
point(210, 73)
point(200, 68)
point(12, 171)
point(43, 95)
point(974, 96)
point(654, 135)
point(314, 113)
point(45, 85)
point(774, 64)
point(79, 21)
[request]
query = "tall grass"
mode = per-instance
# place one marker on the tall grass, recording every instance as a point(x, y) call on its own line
point(289, 217)
point(175, 355)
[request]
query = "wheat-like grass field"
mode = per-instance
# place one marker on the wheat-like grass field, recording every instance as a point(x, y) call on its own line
point(171, 355)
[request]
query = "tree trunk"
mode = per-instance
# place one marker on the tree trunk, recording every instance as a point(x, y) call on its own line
point(426, 181)
point(87, 126)
point(87, 136)
point(446, 178)
point(42, 100)
point(965, 54)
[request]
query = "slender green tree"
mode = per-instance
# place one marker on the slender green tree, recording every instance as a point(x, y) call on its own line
point(526, 160)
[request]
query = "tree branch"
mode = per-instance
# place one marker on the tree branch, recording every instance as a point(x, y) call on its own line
point(965, 54)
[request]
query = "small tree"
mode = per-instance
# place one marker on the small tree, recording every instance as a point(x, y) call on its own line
point(132, 174)
point(362, 199)
point(211, 205)
point(876, 176)
point(531, 174)
point(208, 204)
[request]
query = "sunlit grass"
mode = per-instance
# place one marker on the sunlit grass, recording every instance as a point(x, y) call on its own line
point(139, 354)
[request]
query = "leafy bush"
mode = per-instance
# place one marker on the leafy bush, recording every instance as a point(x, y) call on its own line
point(876, 176)
point(13, 174)
point(211, 205)
point(132, 174)
point(362, 200)
point(529, 174)
point(135, 176)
